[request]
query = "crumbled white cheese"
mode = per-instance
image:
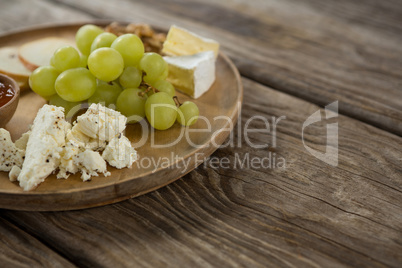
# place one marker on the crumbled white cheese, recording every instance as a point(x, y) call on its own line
point(76, 138)
point(67, 165)
point(45, 143)
point(90, 163)
point(53, 143)
point(10, 155)
point(22, 142)
point(91, 132)
point(100, 123)
point(119, 153)
point(14, 173)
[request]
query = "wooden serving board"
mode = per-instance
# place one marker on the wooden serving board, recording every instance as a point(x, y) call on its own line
point(156, 167)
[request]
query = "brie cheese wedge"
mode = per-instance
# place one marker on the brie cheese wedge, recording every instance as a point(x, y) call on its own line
point(180, 41)
point(192, 74)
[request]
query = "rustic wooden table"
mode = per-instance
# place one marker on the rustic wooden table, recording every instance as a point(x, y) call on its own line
point(295, 57)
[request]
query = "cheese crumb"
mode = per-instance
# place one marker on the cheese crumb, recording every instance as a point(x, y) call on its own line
point(22, 142)
point(100, 123)
point(10, 154)
point(119, 153)
point(90, 164)
point(14, 173)
point(67, 165)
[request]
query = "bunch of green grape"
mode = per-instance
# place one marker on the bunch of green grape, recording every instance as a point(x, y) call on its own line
point(116, 72)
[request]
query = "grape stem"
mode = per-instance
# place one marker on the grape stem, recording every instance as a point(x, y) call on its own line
point(176, 100)
point(147, 88)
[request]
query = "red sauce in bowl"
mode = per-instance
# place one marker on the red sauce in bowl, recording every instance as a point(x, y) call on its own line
point(6, 93)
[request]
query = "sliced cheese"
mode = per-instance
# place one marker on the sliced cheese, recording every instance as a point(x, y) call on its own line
point(192, 74)
point(180, 41)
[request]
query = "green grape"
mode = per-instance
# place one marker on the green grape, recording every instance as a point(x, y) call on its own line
point(106, 64)
point(76, 84)
point(106, 93)
point(188, 113)
point(131, 104)
point(165, 86)
point(56, 100)
point(103, 40)
point(161, 110)
point(65, 58)
point(131, 77)
point(42, 81)
point(130, 47)
point(154, 67)
point(85, 36)
point(165, 73)
point(83, 61)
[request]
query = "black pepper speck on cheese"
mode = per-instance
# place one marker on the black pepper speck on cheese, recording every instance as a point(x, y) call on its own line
point(10, 154)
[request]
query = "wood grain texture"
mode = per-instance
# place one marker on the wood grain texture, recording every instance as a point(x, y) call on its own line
point(312, 50)
point(19, 249)
point(308, 214)
point(21, 14)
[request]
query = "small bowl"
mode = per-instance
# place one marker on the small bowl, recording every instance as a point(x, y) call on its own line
point(7, 111)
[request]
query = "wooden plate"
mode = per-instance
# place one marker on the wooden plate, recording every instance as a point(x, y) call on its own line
point(158, 164)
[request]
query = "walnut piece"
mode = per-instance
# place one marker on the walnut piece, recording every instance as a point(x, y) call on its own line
point(153, 41)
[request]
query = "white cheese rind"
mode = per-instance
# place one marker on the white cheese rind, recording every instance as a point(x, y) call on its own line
point(193, 74)
point(119, 153)
point(180, 41)
point(42, 155)
point(10, 155)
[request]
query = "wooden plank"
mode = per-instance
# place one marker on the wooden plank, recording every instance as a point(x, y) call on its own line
point(315, 51)
point(19, 249)
point(306, 214)
point(20, 14)
point(309, 214)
